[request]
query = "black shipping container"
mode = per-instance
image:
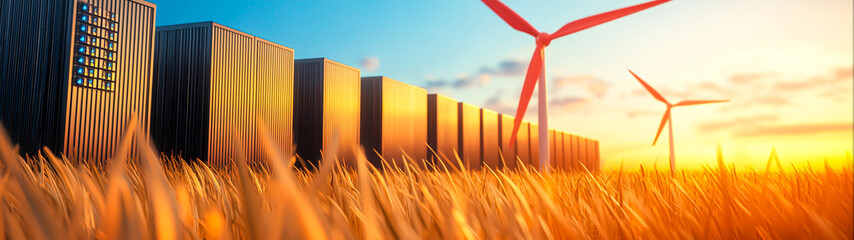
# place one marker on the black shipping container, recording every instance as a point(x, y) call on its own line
point(74, 73)
point(212, 81)
point(326, 99)
point(394, 121)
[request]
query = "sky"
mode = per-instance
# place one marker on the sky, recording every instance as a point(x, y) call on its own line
point(785, 66)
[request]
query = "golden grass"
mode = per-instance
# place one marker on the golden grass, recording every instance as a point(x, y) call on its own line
point(48, 198)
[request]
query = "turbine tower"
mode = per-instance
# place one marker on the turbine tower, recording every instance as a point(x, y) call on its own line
point(668, 119)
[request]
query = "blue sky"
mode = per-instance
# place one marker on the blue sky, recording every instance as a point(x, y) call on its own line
point(786, 64)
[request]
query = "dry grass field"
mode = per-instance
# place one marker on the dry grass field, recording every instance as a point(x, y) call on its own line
point(46, 197)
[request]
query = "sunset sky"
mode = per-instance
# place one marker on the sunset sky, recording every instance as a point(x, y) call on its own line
point(786, 66)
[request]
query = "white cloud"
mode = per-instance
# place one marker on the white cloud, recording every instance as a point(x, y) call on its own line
point(370, 64)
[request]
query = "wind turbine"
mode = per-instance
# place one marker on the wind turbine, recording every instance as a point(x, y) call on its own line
point(773, 158)
point(537, 67)
point(667, 118)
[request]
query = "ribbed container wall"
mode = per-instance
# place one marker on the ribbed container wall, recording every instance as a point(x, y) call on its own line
point(567, 151)
point(469, 135)
point(232, 102)
point(394, 120)
point(327, 98)
point(508, 152)
point(43, 108)
point(212, 82)
point(534, 143)
point(181, 91)
point(552, 148)
point(582, 152)
point(341, 108)
point(372, 119)
point(563, 151)
point(34, 71)
point(442, 129)
point(590, 163)
point(558, 150)
point(597, 158)
point(592, 153)
point(274, 94)
point(96, 119)
point(523, 145)
point(576, 154)
point(489, 144)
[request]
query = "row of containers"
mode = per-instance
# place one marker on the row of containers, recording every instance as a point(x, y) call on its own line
point(74, 81)
point(212, 82)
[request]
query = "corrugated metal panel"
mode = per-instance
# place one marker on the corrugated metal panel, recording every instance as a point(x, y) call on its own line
point(582, 152)
point(326, 99)
point(274, 93)
point(523, 145)
point(598, 157)
point(211, 80)
point(394, 120)
point(552, 148)
point(469, 135)
point(44, 110)
point(567, 151)
point(232, 102)
point(562, 153)
point(35, 48)
point(594, 155)
point(534, 143)
point(505, 123)
point(181, 90)
point(573, 153)
point(96, 118)
point(489, 144)
point(558, 152)
point(442, 128)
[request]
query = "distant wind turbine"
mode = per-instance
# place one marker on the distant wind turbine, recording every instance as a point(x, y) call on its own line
point(667, 118)
point(773, 158)
point(537, 67)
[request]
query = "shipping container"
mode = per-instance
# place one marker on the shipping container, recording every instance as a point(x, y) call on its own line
point(489, 144)
point(442, 130)
point(326, 101)
point(210, 83)
point(598, 157)
point(582, 151)
point(508, 152)
point(534, 138)
point(567, 152)
point(558, 150)
point(394, 121)
point(469, 135)
point(576, 155)
point(594, 155)
point(74, 73)
point(552, 148)
point(523, 145)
